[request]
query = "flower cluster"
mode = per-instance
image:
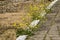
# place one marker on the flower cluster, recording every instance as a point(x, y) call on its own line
point(34, 12)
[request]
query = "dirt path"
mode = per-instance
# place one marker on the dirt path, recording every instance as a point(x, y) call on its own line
point(51, 29)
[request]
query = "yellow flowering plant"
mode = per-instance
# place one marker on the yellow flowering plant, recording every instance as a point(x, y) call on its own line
point(34, 13)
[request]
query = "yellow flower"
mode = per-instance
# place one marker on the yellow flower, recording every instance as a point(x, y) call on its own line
point(23, 18)
point(21, 24)
point(36, 7)
point(42, 8)
point(14, 24)
point(42, 5)
point(26, 23)
point(29, 14)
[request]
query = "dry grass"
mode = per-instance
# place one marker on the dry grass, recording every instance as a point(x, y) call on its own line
point(10, 18)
